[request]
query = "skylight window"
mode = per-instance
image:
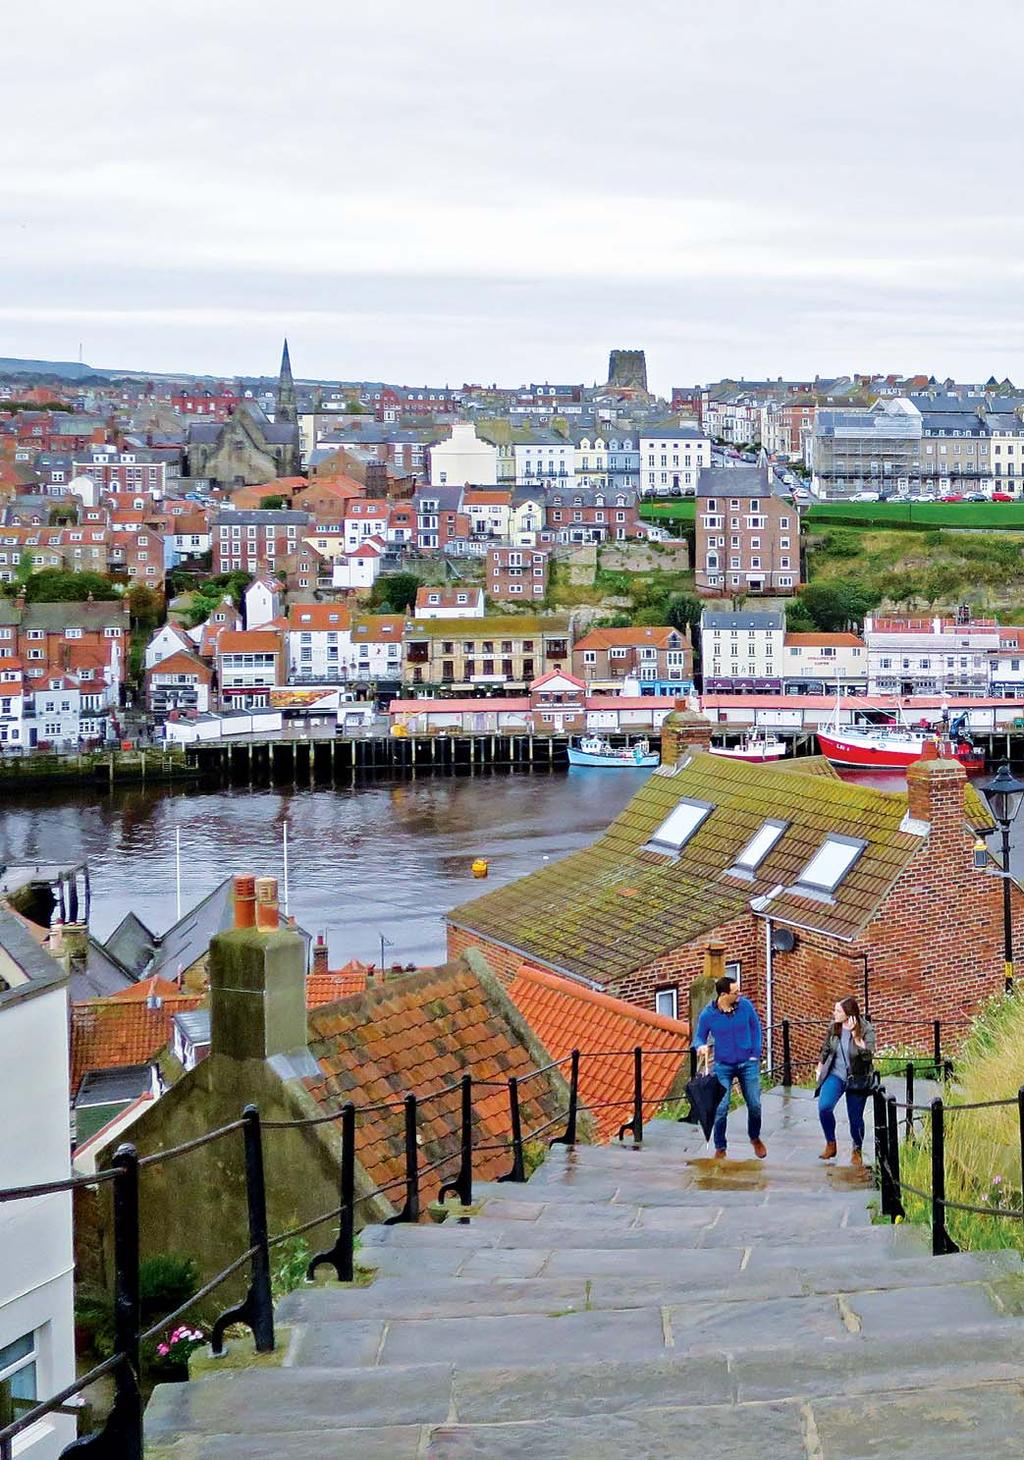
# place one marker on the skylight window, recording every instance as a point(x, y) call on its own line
point(830, 863)
point(758, 847)
point(678, 827)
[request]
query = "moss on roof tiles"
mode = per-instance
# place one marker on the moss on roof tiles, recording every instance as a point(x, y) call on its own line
point(612, 908)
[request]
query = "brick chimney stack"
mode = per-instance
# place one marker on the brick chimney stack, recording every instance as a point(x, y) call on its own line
point(681, 733)
point(257, 979)
point(935, 792)
point(319, 954)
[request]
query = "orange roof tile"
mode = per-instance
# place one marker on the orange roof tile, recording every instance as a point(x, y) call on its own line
point(319, 617)
point(567, 1016)
point(341, 983)
point(248, 641)
point(107, 1034)
point(825, 641)
point(623, 638)
point(153, 987)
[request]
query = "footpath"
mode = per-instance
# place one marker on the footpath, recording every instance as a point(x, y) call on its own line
point(645, 1303)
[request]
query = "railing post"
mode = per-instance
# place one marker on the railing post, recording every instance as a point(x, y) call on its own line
point(910, 1099)
point(636, 1125)
point(518, 1172)
point(463, 1183)
point(937, 1038)
point(882, 1152)
point(942, 1243)
point(342, 1255)
point(411, 1210)
point(569, 1138)
point(787, 1055)
point(893, 1130)
point(693, 1061)
point(257, 1308)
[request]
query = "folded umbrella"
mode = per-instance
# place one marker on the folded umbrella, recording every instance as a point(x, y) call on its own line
point(704, 1093)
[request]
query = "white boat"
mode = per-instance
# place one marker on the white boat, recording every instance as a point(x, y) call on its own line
point(595, 751)
point(756, 745)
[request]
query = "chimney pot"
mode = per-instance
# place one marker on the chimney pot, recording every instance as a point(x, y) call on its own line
point(268, 915)
point(319, 954)
point(245, 902)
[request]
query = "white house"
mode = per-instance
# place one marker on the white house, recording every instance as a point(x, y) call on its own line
point(167, 640)
point(928, 656)
point(359, 568)
point(1006, 666)
point(375, 649)
point(12, 703)
point(671, 460)
point(546, 457)
point(37, 1346)
point(319, 642)
point(464, 601)
point(837, 660)
point(463, 458)
point(262, 601)
point(58, 713)
point(744, 648)
point(365, 519)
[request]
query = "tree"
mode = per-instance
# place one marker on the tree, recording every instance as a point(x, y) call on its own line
point(398, 590)
point(54, 585)
point(61, 516)
point(836, 604)
point(273, 503)
point(145, 606)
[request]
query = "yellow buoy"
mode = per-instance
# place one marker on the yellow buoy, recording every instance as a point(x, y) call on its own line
point(481, 867)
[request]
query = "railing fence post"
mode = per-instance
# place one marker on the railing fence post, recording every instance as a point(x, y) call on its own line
point(411, 1207)
point(569, 1138)
point(937, 1038)
point(636, 1124)
point(257, 1308)
point(463, 1183)
point(910, 1099)
point(518, 1172)
point(342, 1255)
point(787, 1055)
point(881, 1152)
point(893, 1149)
point(942, 1243)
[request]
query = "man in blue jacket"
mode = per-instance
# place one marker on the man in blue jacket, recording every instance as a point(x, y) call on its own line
point(731, 1022)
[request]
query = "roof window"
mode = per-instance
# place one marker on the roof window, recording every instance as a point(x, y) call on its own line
point(678, 827)
point(757, 848)
point(830, 864)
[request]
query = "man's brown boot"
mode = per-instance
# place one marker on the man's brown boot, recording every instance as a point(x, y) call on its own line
point(856, 1159)
point(719, 1155)
point(760, 1149)
point(831, 1149)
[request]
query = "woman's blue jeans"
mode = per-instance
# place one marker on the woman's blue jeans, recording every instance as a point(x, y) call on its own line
point(828, 1098)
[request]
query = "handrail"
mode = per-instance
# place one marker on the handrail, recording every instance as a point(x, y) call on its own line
point(121, 1435)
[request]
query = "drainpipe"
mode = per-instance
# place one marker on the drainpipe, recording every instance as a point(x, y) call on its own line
point(768, 985)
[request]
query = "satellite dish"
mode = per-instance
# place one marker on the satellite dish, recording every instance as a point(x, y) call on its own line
point(783, 940)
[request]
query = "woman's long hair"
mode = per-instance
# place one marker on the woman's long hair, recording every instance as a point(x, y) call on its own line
point(851, 1009)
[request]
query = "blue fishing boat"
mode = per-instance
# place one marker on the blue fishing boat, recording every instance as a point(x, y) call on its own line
point(595, 751)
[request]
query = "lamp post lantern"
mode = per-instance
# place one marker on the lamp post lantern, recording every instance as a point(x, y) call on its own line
point(1004, 794)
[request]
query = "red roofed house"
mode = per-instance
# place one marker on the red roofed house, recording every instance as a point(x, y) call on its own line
point(463, 601)
point(517, 574)
point(249, 664)
point(367, 517)
point(318, 635)
point(357, 569)
point(658, 659)
point(181, 681)
point(565, 1015)
point(12, 702)
point(837, 660)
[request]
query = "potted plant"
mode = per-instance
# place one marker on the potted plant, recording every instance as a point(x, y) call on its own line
point(170, 1360)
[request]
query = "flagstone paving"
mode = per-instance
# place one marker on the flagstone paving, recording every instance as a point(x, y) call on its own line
point(646, 1303)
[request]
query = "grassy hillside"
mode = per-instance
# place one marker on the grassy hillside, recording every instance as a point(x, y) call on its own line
point(925, 569)
point(1002, 516)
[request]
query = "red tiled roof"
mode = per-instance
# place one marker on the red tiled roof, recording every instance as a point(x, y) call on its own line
point(421, 1033)
point(107, 1034)
point(248, 641)
point(340, 983)
point(319, 617)
point(148, 988)
point(567, 1016)
point(824, 641)
point(623, 638)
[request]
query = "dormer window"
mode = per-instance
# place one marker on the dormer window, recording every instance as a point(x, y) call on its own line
point(829, 865)
point(757, 848)
point(678, 827)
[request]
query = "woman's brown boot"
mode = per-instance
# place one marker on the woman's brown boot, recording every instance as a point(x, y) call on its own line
point(857, 1159)
point(831, 1149)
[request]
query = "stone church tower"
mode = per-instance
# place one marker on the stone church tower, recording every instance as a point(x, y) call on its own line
point(248, 448)
point(285, 413)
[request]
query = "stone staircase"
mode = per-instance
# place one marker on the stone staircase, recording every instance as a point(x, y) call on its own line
point(641, 1303)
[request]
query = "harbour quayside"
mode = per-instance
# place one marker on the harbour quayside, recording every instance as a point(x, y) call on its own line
point(592, 750)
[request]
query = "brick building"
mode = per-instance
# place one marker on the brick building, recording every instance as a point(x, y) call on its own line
point(517, 575)
point(748, 539)
point(256, 541)
point(816, 888)
point(659, 659)
point(577, 516)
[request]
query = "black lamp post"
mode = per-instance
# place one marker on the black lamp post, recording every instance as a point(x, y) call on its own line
point(1004, 794)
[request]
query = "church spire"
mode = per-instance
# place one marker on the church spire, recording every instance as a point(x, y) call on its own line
point(285, 413)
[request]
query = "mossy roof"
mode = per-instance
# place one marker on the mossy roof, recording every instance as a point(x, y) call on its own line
point(614, 907)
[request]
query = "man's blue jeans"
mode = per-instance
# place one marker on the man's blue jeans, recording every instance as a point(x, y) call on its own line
point(749, 1076)
point(828, 1098)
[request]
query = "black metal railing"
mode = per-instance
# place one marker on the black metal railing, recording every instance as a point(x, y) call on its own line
point(935, 1060)
point(121, 1435)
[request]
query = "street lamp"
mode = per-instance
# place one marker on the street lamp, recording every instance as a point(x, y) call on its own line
point(1004, 795)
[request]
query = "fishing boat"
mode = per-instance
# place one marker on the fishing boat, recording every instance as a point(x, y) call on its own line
point(755, 745)
point(895, 746)
point(595, 751)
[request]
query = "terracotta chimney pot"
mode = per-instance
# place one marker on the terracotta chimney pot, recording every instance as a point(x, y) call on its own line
point(245, 902)
point(268, 917)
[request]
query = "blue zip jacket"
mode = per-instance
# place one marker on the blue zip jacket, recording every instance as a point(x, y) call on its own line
point(737, 1035)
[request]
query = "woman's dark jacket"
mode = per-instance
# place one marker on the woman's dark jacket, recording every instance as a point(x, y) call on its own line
point(860, 1059)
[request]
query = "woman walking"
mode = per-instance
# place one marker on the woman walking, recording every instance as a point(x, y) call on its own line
point(844, 1067)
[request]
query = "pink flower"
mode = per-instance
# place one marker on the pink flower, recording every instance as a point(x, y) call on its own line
point(162, 1350)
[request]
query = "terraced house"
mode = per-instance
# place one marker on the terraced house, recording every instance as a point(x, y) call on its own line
point(817, 889)
point(475, 653)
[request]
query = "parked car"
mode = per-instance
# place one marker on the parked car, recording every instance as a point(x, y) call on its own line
point(921, 497)
point(865, 497)
point(952, 497)
point(976, 497)
point(1002, 497)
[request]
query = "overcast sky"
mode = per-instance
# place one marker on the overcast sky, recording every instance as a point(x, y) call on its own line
point(505, 189)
